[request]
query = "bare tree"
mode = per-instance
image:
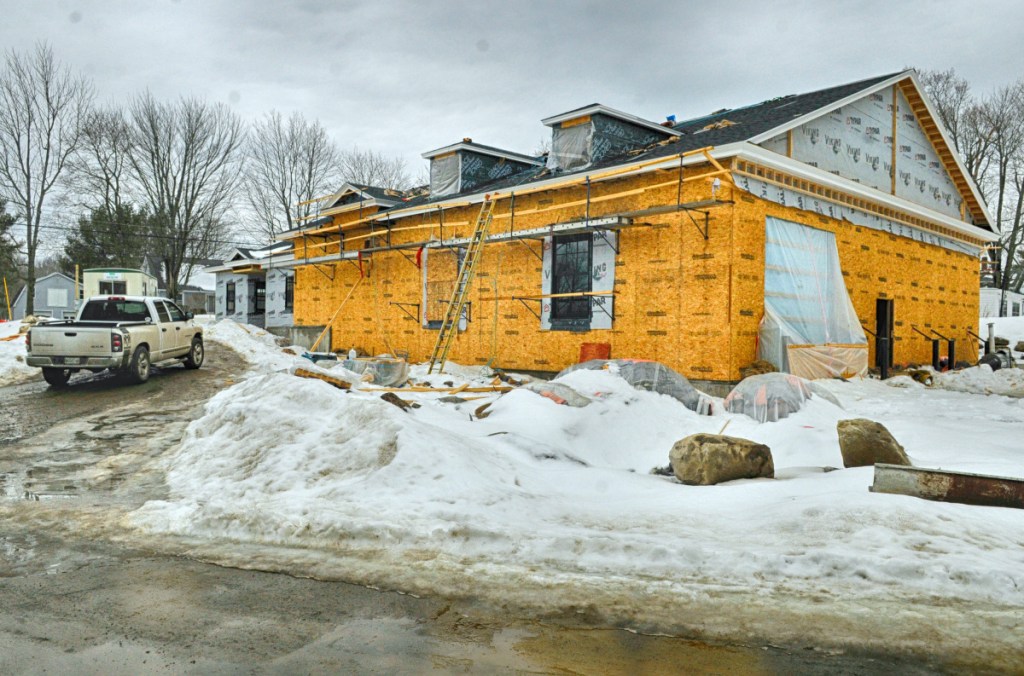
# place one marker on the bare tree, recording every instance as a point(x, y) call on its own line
point(964, 117)
point(42, 108)
point(989, 134)
point(289, 163)
point(373, 168)
point(99, 170)
point(186, 159)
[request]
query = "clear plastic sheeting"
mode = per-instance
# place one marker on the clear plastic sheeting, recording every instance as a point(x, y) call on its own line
point(558, 393)
point(570, 146)
point(770, 397)
point(810, 328)
point(445, 175)
point(383, 371)
point(651, 376)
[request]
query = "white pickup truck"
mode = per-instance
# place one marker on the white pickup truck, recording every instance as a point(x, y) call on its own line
point(121, 333)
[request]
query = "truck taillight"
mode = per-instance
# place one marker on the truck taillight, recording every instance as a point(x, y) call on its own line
point(116, 342)
point(28, 341)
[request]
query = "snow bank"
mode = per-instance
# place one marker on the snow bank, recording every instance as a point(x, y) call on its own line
point(535, 486)
point(982, 379)
point(13, 368)
point(257, 346)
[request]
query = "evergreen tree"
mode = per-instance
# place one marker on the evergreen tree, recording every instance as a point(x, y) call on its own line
point(8, 257)
point(105, 239)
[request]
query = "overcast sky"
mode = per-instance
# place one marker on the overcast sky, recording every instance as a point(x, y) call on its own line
point(407, 77)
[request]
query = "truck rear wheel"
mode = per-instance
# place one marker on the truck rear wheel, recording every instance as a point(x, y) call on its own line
point(138, 369)
point(57, 377)
point(196, 355)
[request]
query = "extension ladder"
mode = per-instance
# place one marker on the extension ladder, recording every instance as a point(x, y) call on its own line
point(453, 313)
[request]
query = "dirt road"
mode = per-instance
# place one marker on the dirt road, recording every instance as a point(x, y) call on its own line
point(80, 596)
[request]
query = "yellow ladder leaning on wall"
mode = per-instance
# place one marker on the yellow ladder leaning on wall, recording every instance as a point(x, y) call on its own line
point(452, 315)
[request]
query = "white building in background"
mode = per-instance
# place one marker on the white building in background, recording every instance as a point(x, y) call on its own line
point(251, 289)
point(1013, 305)
point(118, 281)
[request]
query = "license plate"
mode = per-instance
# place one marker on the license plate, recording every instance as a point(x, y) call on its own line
point(72, 360)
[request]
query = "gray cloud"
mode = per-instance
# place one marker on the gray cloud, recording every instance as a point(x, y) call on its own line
point(405, 77)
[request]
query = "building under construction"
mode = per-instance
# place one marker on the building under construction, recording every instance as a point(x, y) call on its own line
point(808, 230)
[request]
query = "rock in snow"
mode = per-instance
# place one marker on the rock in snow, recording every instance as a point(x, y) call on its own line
point(864, 442)
point(706, 459)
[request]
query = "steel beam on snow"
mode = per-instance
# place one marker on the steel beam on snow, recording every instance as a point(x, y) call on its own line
point(947, 486)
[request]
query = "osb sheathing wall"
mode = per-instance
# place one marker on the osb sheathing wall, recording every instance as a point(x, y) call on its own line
point(691, 303)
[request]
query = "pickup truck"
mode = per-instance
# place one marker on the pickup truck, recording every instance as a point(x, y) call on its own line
point(121, 333)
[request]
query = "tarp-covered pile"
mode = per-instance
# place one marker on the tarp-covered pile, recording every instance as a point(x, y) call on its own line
point(651, 376)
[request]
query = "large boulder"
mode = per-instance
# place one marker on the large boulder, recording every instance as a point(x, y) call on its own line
point(864, 442)
point(706, 459)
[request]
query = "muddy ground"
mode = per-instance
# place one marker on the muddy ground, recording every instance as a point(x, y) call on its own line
point(80, 596)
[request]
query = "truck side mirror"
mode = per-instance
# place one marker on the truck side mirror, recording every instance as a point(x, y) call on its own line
point(189, 315)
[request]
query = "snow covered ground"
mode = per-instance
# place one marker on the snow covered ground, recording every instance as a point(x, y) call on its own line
point(553, 506)
point(307, 478)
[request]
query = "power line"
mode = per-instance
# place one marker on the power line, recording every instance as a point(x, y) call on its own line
point(145, 235)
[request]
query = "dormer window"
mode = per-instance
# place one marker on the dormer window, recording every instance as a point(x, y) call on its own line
point(588, 135)
point(467, 165)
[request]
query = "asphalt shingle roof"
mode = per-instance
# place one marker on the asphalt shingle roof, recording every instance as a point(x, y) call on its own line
point(747, 122)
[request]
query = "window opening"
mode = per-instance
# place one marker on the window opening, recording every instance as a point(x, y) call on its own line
point(573, 256)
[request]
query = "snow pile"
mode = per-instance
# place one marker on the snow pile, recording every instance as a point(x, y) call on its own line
point(982, 379)
point(13, 368)
point(1011, 328)
point(258, 347)
point(537, 489)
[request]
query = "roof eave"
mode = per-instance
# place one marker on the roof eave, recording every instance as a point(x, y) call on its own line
point(861, 93)
point(758, 154)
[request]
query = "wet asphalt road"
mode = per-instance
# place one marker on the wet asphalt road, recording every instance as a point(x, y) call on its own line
point(99, 603)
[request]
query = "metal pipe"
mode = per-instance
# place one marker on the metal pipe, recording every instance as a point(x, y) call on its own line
point(990, 344)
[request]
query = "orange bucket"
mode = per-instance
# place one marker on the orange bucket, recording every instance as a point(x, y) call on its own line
point(590, 351)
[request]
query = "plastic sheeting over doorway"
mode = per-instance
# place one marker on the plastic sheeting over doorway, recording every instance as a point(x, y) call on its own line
point(810, 328)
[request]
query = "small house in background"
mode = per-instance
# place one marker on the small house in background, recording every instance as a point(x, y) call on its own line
point(54, 297)
point(993, 304)
point(118, 281)
point(197, 300)
point(252, 289)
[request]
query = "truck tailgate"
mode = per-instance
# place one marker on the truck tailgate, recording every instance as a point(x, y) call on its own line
point(70, 341)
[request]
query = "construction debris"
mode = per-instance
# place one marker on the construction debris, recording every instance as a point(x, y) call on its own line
point(770, 397)
point(558, 393)
point(650, 376)
point(385, 370)
point(946, 486)
point(317, 375)
point(393, 398)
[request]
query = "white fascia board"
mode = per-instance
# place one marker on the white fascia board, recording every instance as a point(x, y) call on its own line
point(611, 112)
point(480, 150)
point(861, 93)
point(274, 261)
point(800, 170)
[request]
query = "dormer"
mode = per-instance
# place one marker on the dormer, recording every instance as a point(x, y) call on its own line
point(467, 165)
point(590, 134)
